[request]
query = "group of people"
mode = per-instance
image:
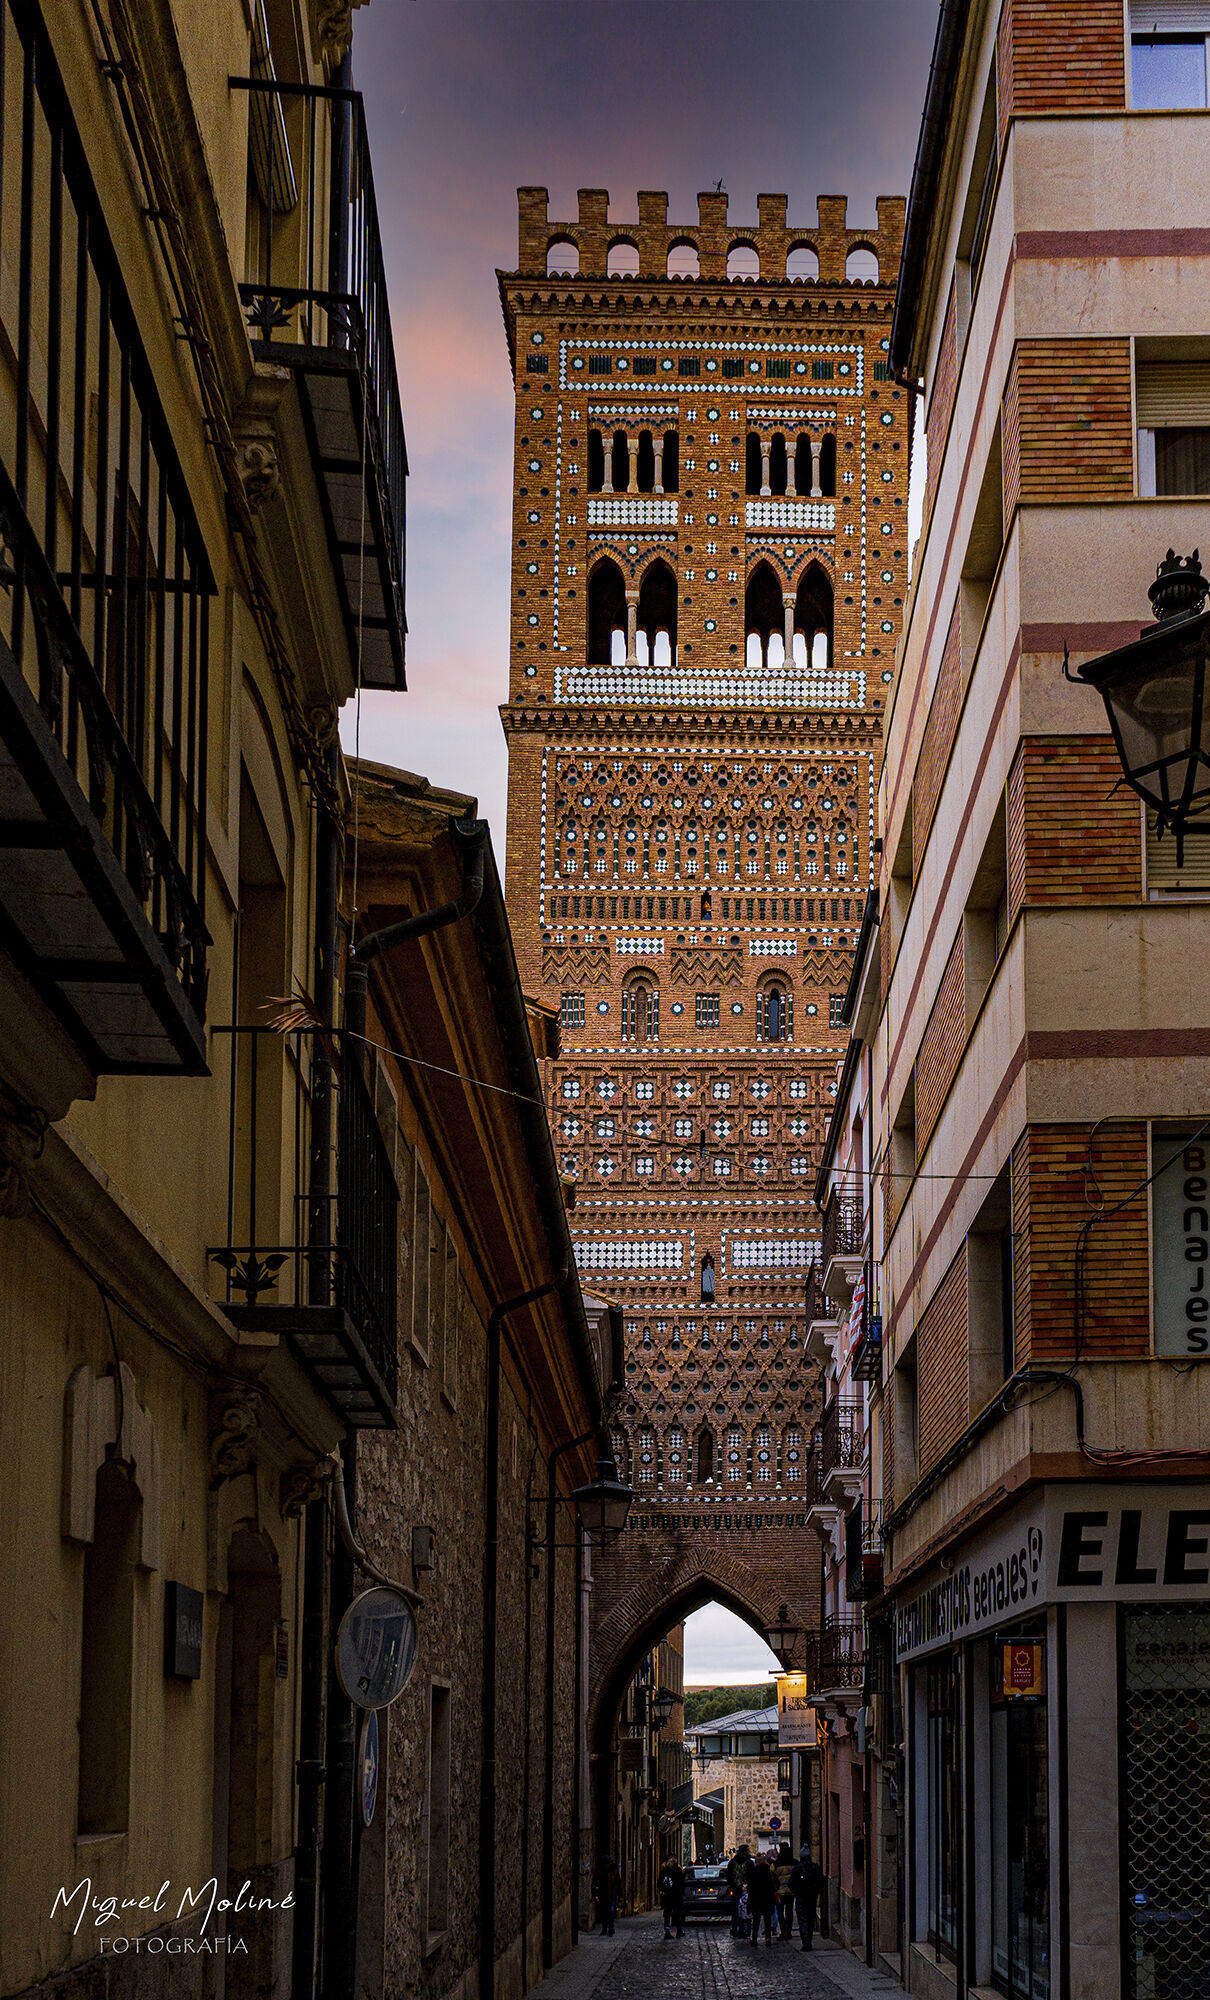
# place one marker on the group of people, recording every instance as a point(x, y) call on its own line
point(774, 1893)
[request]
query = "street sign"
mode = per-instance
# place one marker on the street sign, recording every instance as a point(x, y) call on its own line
point(797, 1727)
point(774, 1823)
point(368, 1766)
point(376, 1647)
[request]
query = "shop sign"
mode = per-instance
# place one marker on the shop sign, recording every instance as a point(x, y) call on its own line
point(1139, 1543)
point(797, 1727)
point(1180, 1204)
point(1022, 1670)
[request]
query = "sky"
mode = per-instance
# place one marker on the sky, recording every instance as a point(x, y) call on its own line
point(467, 100)
point(721, 1651)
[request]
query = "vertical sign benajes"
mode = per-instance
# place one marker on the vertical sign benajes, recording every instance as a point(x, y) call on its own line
point(1181, 1243)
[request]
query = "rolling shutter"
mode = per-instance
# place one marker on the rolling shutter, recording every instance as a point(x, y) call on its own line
point(1164, 878)
point(1169, 17)
point(1173, 393)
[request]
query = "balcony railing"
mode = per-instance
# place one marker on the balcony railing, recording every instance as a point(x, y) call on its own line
point(316, 302)
point(841, 1437)
point(819, 1306)
point(315, 1266)
point(105, 591)
point(843, 1224)
point(863, 1550)
point(841, 1654)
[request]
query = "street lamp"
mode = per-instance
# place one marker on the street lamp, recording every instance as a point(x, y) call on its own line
point(1154, 691)
point(662, 1705)
point(604, 1503)
point(780, 1637)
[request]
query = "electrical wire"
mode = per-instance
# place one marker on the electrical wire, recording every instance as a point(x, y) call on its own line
point(500, 1089)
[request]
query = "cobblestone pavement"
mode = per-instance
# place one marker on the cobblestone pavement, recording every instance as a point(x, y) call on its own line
point(638, 1963)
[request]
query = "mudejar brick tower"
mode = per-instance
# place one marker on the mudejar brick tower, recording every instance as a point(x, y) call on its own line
point(709, 563)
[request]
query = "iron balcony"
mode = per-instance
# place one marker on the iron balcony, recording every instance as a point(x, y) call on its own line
point(104, 619)
point(843, 1228)
point(316, 302)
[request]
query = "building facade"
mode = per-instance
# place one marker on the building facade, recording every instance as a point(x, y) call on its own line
point(1040, 1084)
point(738, 1755)
point(709, 564)
point(176, 638)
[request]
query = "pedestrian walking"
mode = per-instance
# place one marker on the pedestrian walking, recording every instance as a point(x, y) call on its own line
point(783, 1868)
point(671, 1891)
point(762, 1899)
point(737, 1875)
point(740, 1921)
point(607, 1889)
point(806, 1881)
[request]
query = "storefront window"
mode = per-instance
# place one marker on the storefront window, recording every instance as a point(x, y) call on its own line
point(944, 1803)
point(1020, 1824)
point(1165, 1723)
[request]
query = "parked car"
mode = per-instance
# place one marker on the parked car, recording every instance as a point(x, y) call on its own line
point(706, 1892)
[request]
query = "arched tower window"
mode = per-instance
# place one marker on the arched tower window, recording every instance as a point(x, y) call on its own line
point(861, 265)
point(657, 611)
point(623, 259)
point(619, 463)
point(646, 463)
point(640, 1010)
point(562, 259)
point(743, 261)
point(827, 466)
point(777, 463)
point(606, 613)
point(752, 465)
point(683, 261)
point(671, 481)
point(813, 615)
point(763, 613)
point(802, 262)
point(596, 462)
point(708, 1278)
point(803, 464)
point(774, 1013)
point(705, 1456)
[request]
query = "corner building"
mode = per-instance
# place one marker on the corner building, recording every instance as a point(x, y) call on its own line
point(709, 559)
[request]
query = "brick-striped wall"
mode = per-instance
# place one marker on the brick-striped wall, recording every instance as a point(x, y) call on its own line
point(1068, 429)
point(1064, 1175)
point(941, 402)
point(1069, 840)
point(941, 1045)
point(942, 1396)
point(938, 739)
point(1060, 55)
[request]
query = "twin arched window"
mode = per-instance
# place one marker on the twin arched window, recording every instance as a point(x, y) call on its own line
point(774, 1013)
point(793, 464)
point(653, 467)
point(640, 1011)
point(770, 623)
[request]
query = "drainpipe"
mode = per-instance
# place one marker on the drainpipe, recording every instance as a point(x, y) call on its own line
point(491, 1585)
point(471, 836)
point(548, 1714)
point(310, 1772)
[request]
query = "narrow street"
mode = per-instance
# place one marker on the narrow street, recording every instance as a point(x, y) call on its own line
point(706, 1964)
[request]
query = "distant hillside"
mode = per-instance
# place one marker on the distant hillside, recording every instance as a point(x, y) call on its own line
point(703, 1704)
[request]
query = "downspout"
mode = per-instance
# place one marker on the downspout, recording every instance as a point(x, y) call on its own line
point(491, 1581)
point(310, 1772)
point(471, 836)
point(548, 1708)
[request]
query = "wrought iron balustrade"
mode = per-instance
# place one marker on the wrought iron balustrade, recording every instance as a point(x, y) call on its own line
point(863, 1550)
point(105, 591)
point(819, 1306)
point(312, 1241)
point(316, 301)
point(843, 1227)
point(841, 1654)
point(841, 1436)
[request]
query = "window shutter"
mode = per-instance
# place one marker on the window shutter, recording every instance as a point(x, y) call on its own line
point(1169, 17)
point(1173, 392)
point(789, 1007)
point(1164, 878)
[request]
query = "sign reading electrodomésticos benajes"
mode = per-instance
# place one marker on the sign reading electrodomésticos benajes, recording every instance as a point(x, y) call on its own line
point(1180, 1209)
point(1067, 1545)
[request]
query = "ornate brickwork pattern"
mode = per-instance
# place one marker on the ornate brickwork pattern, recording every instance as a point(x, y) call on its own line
point(709, 567)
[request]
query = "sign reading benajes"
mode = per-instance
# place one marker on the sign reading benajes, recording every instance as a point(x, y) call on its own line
point(999, 1575)
point(1069, 1545)
point(1181, 1244)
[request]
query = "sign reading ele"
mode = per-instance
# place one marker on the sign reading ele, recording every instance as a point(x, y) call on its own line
point(1070, 1544)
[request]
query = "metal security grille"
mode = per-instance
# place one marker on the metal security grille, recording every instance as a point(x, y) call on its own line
point(1165, 1721)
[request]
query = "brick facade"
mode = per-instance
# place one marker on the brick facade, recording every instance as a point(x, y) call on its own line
point(691, 819)
point(939, 733)
point(1064, 1176)
point(1072, 837)
point(1060, 57)
point(941, 1367)
point(1068, 422)
point(941, 1045)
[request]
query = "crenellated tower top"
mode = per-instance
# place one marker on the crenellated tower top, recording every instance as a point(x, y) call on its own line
point(713, 236)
